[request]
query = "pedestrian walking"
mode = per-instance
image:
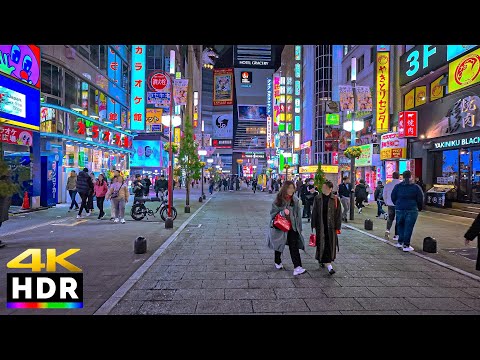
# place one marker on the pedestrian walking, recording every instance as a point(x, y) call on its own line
point(361, 195)
point(211, 186)
point(298, 187)
point(160, 185)
point(118, 193)
point(379, 199)
point(472, 233)
point(84, 186)
point(369, 191)
point(408, 200)
point(387, 198)
point(112, 208)
point(288, 206)
point(344, 191)
point(225, 184)
point(254, 185)
point(269, 186)
point(237, 183)
point(326, 224)
point(138, 187)
point(147, 183)
point(310, 193)
point(72, 189)
point(91, 194)
point(100, 190)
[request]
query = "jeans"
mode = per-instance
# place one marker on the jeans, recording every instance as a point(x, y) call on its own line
point(210, 189)
point(405, 223)
point(73, 194)
point(83, 205)
point(100, 201)
point(391, 217)
point(346, 206)
point(292, 241)
point(380, 210)
point(119, 206)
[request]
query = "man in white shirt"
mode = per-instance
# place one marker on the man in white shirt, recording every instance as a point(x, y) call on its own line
point(387, 197)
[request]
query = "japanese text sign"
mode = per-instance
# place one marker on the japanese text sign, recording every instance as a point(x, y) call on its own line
point(407, 124)
point(383, 90)
point(137, 105)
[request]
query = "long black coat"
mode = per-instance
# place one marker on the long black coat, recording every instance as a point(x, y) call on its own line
point(334, 219)
point(473, 233)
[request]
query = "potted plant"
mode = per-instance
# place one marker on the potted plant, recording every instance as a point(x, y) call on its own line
point(353, 152)
point(166, 147)
point(7, 190)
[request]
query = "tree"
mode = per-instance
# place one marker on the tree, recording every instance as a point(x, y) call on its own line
point(320, 178)
point(188, 159)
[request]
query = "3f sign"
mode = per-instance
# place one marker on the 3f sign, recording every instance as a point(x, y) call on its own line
point(414, 59)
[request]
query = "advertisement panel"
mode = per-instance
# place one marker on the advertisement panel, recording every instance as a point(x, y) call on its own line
point(223, 87)
point(390, 168)
point(222, 144)
point(328, 169)
point(454, 51)
point(52, 179)
point(383, 91)
point(21, 62)
point(407, 124)
point(252, 112)
point(137, 105)
point(13, 135)
point(147, 153)
point(332, 119)
point(222, 125)
point(392, 147)
point(161, 99)
point(346, 97)
point(19, 104)
point(437, 90)
point(180, 88)
point(365, 158)
point(276, 96)
point(177, 135)
point(420, 95)
point(364, 98)
point(409, 100)
point(464, 71)
point(154, 116)
point(421, 60)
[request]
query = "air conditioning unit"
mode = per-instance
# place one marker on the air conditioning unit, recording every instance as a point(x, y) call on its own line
point(70, 53)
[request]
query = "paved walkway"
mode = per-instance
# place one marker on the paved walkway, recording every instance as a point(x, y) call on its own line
point(224, 267)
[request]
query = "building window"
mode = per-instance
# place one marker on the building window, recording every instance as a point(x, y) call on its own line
point(349, 73)
point(125, 76)
point(372, 54)
point(84, 51)
point(345, 50)
point(361, 63)
point(72, 90)
point(51, 79)
point(95, 55)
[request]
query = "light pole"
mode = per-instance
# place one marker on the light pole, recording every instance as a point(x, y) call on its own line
point(202, 153)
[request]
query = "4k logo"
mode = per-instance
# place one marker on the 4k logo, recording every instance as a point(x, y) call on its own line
point(44, 290)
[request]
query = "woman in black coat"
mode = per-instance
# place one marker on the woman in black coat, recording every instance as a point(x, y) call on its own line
point(473, 233)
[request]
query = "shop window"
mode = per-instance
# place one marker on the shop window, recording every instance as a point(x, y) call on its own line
point(450, 163)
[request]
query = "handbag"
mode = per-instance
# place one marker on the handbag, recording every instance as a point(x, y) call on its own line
point(282, 223)
point(313, 240)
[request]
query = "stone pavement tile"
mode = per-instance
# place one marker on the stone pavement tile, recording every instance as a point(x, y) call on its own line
point(376, 267)
point(246, 275)
point(224, 307)
point(430, 291)
point(425, 312)
point(320, 313)
point(249, 294)
point(473, 303)
point(270, 283)
point(199, 294)
point(251, 261)
point(425, 267)
point(315, 282)
point(475, 292)
point(403, 282)
point(225, 284)
point(204, 275)
point(299, 293)
point(179, 284)
point(367, 273)
point(226, 267)
point(328, 304)
point(126, 308)
point(348, 292)
point(186, 268)
point(284, 274)
point(461, 283)
point(449, 274)
point(213, 262)
point(385, 304)
point(359, 282)
point(283, 306)
point(373, 312)
point(168, 276)
point(143, 295)
point(269, 267)
point(323, 273)
point(145, 284)
point(460, 312)
point(395, 291)
point(441, 303)
point(163, 261)
point(168, 307)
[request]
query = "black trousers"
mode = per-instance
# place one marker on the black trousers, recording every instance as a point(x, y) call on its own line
point(359, 203)
point(73, 194)
point(83, 205)
point(90, 201)
point(292, 241)
point(100, 201)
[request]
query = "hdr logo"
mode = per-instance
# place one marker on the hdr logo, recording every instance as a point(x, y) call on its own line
point(49, 290)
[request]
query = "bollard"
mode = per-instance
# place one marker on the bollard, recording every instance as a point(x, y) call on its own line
point(200, 199)
point(368, 224)
point(430, 245)
point(140, 245)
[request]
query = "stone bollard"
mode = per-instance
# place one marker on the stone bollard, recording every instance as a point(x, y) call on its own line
point(140, 245)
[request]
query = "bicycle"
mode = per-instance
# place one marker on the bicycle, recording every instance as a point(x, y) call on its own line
point(139, 210)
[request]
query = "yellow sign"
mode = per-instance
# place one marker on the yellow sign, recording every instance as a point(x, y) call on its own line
point(420, 95)
point(383, 91)
point(436, 90)
point(409, 100)
point(464, 71)
point(328, 169)
point(177, 135)
point(154, 116)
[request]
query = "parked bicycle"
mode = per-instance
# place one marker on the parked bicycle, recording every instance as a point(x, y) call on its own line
point(140, 210)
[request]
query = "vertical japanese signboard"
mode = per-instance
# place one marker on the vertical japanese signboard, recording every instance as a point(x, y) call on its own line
point(269, 111)
point(383, 90)
point(407, 124)
point(137, 105)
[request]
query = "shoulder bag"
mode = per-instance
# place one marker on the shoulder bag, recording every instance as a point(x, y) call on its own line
point(282, 223)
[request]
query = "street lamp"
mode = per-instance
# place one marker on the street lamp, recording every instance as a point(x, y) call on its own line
point(202, 153)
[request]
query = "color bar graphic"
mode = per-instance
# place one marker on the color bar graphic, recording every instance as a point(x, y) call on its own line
point(45, 305)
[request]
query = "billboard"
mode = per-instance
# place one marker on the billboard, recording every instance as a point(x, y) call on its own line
point(137, 105)
point(222, 87)
point(19, 104)
point(421, 60)
point(392, 147)
point(437, 90)
point(180, 88)
point(252, 112)
point(147, 153)
point(464, 71)
point(383, 91)
point(366, 158)
point(346, 97)
point(222, 125)
point(21, 62)
point(364, 98)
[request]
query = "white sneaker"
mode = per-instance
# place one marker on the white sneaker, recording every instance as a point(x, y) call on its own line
point(395, 238)
point(360, 210)
point(79, 217)
point(122, 221)
point(89, 213)
point(116, 220)
point(398, 245)
point(387, 234)
point(278, 266)
point(408, 248)
point(298, 270)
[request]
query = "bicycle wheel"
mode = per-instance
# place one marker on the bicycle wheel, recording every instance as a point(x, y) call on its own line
point(164, 213)
point(139, 211)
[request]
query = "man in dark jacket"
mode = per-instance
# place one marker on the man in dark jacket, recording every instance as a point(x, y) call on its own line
point(408, 200)
point(473, 233)
point(138, 186)
point(379, 199)
point(344, 191)
point(148, 183)
point(84, 186)
point(161, 185)
point(361, 195)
